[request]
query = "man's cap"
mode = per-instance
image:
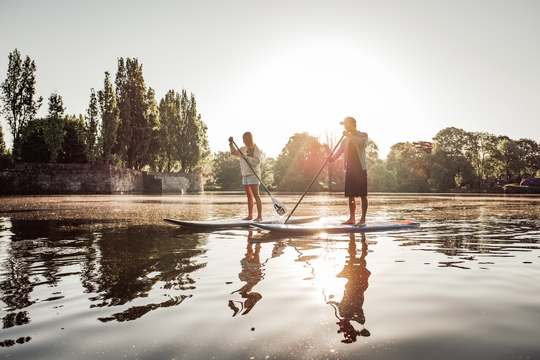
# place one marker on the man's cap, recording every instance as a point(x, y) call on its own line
point(348, 120)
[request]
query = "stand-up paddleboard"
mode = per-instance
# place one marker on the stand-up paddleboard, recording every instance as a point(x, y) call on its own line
point(235, 223)
point(328, 228)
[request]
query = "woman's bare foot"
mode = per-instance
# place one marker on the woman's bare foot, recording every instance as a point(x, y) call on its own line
point(258, 219)
point(348, 222)
point(360, 224)
point(248, 218)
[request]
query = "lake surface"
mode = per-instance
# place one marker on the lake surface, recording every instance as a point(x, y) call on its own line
point(86, 277)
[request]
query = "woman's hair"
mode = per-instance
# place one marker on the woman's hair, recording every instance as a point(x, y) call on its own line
point(248, 140)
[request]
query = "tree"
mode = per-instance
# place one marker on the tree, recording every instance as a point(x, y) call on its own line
point(449, 166)
point(18, 92)
point(299, 162)
point(193, 145)
point(54, 132)
point(92, 122)
point(169, 132)
point(480, 149)
point(511, 157)
point(226, 171)
point(152, 114)
point(530, 150)
point(110, 118)
point(2, 142)
point(34, 148)
point(134, 130)
point(410, 166)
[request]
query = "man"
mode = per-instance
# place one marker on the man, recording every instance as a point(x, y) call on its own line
point(355, 166)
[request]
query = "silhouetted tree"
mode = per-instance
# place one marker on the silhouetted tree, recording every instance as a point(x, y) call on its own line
point(17, 94)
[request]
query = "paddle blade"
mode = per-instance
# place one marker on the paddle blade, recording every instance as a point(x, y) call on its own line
point(279, 207)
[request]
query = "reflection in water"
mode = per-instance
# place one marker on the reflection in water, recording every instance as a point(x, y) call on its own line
point(116, 266)
point(251, 274)
point(351, 306)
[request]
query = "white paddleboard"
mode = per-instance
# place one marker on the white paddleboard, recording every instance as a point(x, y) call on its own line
point(329, 228)
point(236, 223)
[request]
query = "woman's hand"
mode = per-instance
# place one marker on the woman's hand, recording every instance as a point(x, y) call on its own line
point(231, 140)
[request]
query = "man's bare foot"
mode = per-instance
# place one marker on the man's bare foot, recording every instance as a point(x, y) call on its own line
point(360, 224)
point(248, 218)
point(348, 222)
point(258, 219)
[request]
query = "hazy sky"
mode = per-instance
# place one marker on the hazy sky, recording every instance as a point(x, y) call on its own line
point(404, 69)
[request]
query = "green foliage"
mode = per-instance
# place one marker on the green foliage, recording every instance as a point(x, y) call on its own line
point(92, 122)
point(54, 132)
point(193, 148)
point(381, 179)
point(152, 114)
point(34, 148)
point(169, 133)
point(17, 95)
point(410, 167)
point(530, 151)
point(2, 142)
point(298, 163)
point(110, 119)
point(74, 144)
point(226, 171)
point(135, 130)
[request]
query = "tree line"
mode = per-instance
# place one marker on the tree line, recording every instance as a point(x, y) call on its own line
point(125, 126)
point(454, 159)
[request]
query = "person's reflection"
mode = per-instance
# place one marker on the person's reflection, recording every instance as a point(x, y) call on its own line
point(251, 273)
point(351, 306)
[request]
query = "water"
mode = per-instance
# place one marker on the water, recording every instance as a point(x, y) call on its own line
point(86, 277)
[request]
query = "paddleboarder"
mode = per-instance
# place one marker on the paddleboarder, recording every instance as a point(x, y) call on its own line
point(353, 147)
point(250, 164)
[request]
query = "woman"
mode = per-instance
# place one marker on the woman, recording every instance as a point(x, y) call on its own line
point(249, 153)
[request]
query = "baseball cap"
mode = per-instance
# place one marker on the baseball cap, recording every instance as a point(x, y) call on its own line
point(348, 120)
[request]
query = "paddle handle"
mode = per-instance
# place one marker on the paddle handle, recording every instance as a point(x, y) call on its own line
point(312, 181)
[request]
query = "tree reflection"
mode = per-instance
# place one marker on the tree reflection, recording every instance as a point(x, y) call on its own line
point(118, 265)
point(351, 306)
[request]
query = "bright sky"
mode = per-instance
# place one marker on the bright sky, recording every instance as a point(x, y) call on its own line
point(404, 69)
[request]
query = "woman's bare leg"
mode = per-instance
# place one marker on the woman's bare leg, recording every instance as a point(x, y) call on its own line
point(255, 192)
point(249, 194)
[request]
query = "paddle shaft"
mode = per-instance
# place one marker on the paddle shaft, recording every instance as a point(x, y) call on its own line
point(253, 170)
point(312, 181)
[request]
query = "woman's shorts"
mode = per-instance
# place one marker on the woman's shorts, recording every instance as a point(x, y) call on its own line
point(250, 181)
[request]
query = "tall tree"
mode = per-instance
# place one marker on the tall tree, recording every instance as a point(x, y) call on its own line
point(110, 118)
point(134, 131)
point(2, 142)
point(481, 148)
point(152, 116)
point(54, 130)
point(450, 166)
point(92, 122)
point(169, 131)
point(193, 145)
point(17, 95)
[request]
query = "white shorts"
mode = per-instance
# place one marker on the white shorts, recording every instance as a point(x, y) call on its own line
point(250, 181)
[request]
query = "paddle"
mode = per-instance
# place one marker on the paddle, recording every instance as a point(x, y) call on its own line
point(312, 181)
point(278, 206)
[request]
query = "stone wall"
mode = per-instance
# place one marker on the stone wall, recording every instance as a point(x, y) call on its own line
point(44, 178)
point(180, 182)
